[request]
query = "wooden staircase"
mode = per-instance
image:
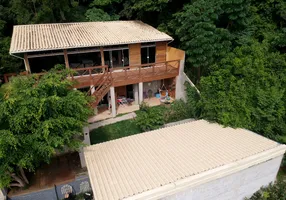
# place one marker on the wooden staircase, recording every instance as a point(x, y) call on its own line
point(101, 88)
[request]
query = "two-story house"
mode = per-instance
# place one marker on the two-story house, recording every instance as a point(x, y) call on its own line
point(112, 60)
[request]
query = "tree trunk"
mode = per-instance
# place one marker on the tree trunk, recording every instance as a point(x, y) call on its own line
point(18, 180)
point(23, 175)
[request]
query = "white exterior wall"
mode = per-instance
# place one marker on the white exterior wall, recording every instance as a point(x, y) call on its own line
point(86, 141)
point(233, 187)
point(2, 194)
point(180, 80)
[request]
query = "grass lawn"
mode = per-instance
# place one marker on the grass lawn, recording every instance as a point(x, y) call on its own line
point(114, 131)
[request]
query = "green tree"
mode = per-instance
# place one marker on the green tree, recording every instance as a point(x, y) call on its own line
point(46, 11)
point(207, 29)
point(247, 89)
point(37, 118)
point(96, 14)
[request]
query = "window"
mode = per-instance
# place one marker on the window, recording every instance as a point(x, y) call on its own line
point(148, 53)
point(114, 57)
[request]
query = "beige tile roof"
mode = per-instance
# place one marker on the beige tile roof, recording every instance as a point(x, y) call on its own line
point(132, 165)
point(39, 37)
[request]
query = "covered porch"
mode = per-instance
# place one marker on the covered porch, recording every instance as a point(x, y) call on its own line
point(127, 98)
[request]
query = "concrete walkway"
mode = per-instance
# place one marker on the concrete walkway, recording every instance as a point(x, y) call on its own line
point(111, 121)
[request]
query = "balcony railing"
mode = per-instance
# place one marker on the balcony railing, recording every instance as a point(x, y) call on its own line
point(88, 76)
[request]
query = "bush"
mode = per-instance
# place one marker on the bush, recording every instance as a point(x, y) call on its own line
point(276, 191)
point(150, 118)
point(193, 99)
point(179, 110)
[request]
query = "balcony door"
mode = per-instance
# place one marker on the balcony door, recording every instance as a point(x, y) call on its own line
point(115, 58)
point(148, 53)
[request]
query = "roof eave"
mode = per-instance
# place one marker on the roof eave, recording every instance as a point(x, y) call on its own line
point(78, 47)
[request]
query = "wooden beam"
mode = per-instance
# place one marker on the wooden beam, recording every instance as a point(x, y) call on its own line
point(102, 56)
point(66, 59)
point(61, 53)
point(27, 64)
point(45, 55)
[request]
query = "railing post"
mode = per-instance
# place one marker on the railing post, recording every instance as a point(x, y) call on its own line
point(166, 66)
point(89, 71)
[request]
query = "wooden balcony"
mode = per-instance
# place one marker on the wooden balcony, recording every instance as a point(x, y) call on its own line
point(88, 76)
point(85, 77)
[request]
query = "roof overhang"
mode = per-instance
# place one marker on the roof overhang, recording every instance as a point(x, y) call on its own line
point(48, 37)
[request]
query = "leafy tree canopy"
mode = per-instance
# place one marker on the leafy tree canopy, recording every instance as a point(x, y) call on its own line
point(37, 118)
point(247, 89)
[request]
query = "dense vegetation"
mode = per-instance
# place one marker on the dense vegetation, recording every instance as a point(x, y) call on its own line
point(235, 50)
point(148, 118)
point(276, 191)
point(37, 119)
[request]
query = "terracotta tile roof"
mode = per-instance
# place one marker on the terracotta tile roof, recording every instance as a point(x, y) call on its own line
point(40, 37)
point(139, 164)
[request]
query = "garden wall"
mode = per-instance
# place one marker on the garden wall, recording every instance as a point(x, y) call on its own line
point(79, 185)
point(236, 186)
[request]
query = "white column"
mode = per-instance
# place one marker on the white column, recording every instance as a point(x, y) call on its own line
point(92, 89)
point(113, 103)
point(2, 194)
point(140, 92)
point(86, 141)
point(180, 82)
point(136, 94)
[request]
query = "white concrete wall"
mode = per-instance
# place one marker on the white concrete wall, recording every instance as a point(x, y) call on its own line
point(180, 80)
point(86, 141)
point(233, 187)
point(154, 86)
point(2, 195)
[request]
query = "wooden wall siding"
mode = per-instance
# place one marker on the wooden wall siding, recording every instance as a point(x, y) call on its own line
point(121, 91)
point(161, 50)
point(134, 54)
point(175, 54)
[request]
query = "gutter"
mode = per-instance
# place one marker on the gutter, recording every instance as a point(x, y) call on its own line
point(16, 56)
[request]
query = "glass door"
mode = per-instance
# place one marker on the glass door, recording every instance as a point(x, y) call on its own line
point(116, 58)
point(148, 55)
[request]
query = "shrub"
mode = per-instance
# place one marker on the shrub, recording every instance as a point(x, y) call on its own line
point(193, 99)
point(276, 191)
point(150, 118)
point(179, 110)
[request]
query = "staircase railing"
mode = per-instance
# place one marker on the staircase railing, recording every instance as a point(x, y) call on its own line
point(101, 87)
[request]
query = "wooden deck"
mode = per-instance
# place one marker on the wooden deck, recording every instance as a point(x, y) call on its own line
point(85, 77)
